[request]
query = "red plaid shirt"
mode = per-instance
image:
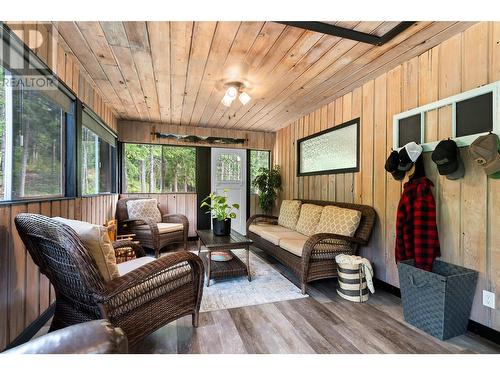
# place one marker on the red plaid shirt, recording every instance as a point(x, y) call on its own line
point(416, 229)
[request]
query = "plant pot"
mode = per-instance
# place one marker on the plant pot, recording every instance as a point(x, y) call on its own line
point(221, 228)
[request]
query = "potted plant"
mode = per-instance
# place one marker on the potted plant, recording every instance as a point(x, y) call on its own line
point(222, 212)
point(268, 184)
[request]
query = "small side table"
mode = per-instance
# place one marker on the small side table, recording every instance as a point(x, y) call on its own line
point(231, 268)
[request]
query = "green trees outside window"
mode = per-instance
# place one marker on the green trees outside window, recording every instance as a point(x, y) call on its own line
point(159, 169)
point(32, 127)
point(258, 159)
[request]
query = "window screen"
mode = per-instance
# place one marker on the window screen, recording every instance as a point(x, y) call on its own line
point(409, 130)
point(475, 115)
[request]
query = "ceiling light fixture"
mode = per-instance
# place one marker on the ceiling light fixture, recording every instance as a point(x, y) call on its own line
point(244, 98)
point(232, 93)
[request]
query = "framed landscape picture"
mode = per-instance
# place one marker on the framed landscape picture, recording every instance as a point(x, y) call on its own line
point(335, 150)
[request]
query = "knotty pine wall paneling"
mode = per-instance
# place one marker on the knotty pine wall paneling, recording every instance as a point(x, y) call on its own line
point(468, 209)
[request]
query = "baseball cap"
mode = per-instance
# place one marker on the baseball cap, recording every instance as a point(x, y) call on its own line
point(409, 155)
point(484, 151)
point(447, 158)
point(391, 166)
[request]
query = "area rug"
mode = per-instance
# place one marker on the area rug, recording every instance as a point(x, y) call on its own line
point(267, 285)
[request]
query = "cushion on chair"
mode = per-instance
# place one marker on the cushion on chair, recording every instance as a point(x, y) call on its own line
point(293, 245)
point(276, 237)
point(309, 218)
point(133, 264)
point(96, 240)
point(144, 209)
point(289, 213)
point(258, 228)
point(169, 227)
point(339, 220)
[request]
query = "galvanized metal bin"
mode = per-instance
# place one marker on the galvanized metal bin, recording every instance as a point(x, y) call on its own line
point(438, 302)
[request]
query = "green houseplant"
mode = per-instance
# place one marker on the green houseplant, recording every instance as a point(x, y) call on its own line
point(268, 184)
point(222, 212)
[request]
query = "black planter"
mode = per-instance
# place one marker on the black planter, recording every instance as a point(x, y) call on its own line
point(221, 228)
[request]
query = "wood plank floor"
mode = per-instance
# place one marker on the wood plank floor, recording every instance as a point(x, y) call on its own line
point(323, 323)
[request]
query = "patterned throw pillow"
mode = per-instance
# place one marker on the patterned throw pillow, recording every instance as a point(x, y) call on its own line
point(141, 209)
point(309, 218)
point(339, 220)
point(289, 213)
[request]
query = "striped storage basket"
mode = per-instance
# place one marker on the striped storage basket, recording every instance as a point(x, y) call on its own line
point(352, 282)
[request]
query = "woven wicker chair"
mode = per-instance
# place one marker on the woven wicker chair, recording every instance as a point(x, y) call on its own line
point(319, 252)
point(146, 231)
point(138, 302)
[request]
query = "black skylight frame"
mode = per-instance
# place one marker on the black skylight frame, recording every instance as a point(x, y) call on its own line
point(326, 28)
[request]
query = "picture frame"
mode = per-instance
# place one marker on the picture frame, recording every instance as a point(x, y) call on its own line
point(338, 158)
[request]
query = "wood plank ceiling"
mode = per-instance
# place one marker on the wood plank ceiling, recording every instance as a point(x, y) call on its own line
point(174, 72)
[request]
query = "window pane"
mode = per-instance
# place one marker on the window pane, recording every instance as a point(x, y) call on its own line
point(228, 168)
point(37, 145)
point(105, 166)
point(142, 168)
point(158, 169)
point(179, 165)
point(90, 162)
point(258, 159)
point(2, 132)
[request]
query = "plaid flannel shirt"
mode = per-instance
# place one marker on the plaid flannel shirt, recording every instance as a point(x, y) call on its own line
point(416, 229)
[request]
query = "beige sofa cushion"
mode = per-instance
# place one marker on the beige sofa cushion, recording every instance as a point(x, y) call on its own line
point(258, 227)
point(293, 245)
point(309, 218)
point(142, 209)
point(133, 264)
point(96, 240)
point(339, 220)
point(274, 233)
point(276, 237)
point(169, 227)
point(289, 213)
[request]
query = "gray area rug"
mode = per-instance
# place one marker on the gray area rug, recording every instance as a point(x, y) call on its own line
point(267, 285)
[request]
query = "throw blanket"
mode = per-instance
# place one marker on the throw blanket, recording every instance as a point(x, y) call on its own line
point(365, 263)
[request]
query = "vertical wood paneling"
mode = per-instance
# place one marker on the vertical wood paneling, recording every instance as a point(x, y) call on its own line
point(25, 293)
point(5, 254)
point(468, 217)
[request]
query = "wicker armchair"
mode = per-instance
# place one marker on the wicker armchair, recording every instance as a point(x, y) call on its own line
point(139, 302)
point(319, 251)
point(146, 231)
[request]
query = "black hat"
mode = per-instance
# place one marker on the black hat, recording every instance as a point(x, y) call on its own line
point(404, 161)
point(391, 166)
point(447, 158)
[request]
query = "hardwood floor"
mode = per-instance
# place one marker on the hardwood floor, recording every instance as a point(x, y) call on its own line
point(323, 323)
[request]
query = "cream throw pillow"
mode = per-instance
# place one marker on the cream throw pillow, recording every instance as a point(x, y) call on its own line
point(144, 209)
point(309, 218)
point(289, 213)
point(95, 238)
point(338, 220)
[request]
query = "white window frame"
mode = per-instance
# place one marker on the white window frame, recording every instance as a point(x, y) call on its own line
point(452, 101)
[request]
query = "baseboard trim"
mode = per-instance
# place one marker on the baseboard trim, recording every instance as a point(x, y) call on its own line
point(474, 327)
point(35, 326)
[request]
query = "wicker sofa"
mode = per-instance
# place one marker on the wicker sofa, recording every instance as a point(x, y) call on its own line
point(310, 257)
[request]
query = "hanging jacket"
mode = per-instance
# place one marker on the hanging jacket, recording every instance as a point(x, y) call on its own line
point(416, 228)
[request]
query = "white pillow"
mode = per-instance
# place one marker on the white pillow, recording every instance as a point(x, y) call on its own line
point(142, 209)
